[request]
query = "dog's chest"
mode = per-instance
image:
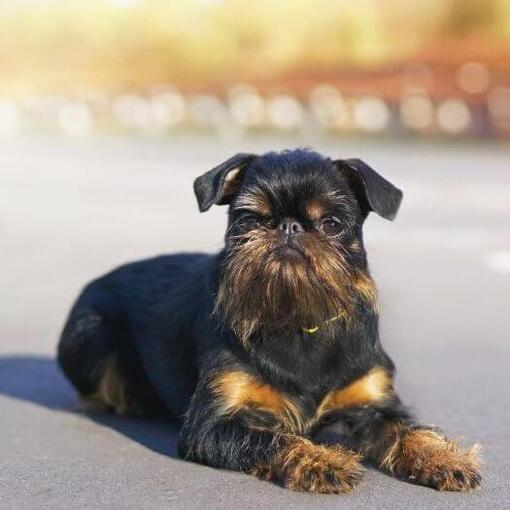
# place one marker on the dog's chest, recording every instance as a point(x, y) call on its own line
point(264, 406)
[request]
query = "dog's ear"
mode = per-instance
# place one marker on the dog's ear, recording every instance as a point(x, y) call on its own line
point(373, 191)
point(217, 186)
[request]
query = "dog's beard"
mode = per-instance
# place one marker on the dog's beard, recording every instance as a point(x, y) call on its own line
point(267, 289)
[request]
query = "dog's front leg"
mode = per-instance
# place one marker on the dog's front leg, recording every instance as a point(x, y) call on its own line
point(253, 441)
point(416, 453)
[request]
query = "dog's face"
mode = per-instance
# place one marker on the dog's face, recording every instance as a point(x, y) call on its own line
point(294, 247)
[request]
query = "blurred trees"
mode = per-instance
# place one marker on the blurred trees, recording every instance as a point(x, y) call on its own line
point(113, 44)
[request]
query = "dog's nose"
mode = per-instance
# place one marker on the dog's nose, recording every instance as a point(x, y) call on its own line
point(290, 227)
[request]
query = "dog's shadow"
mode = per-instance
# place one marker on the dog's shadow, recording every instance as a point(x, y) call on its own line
point(37, 379)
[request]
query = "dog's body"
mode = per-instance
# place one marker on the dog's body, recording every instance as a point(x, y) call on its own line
point(258, 348)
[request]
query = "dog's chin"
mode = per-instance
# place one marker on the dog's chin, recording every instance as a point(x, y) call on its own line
point(269, 286)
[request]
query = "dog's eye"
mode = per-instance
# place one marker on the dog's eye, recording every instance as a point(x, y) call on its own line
point(253, 220)
point(330, 226)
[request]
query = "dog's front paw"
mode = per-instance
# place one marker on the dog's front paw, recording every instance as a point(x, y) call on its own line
point(427, 458)
point(304, 466)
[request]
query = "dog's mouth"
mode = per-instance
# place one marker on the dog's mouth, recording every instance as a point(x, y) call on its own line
point(289, 251)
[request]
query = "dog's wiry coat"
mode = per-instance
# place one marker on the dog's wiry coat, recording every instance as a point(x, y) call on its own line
point(258, 348)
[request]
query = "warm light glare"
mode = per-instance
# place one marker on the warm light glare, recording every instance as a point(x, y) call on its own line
point(125, 4)
point(473, 77)
point(416, 111)
point(419, 67)
point(9, 118)
point(453, 116)
point(285, 112)
point(371, 114)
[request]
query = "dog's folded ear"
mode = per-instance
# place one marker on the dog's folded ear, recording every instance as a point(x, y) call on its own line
point(373, 191)
point(217, 186)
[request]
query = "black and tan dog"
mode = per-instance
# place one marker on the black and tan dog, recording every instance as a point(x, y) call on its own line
point(260, 347)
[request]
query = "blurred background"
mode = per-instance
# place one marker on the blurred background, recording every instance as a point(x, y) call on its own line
point(423, 68)
point(108, 111)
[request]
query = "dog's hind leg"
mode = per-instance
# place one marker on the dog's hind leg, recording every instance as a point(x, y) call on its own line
point(88, 357)
point(96, 355)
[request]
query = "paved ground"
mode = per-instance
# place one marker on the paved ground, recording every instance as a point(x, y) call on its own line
point(71, 210)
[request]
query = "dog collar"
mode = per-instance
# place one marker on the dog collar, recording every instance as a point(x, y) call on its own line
point(313, 330)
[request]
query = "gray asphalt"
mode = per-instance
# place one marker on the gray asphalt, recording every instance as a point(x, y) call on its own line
point(70, 210)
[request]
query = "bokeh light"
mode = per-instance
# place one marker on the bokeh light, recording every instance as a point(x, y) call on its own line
point(453, 116)
point(157, 67)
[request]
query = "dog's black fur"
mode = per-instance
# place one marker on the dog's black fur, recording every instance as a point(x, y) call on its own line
point(259, 347)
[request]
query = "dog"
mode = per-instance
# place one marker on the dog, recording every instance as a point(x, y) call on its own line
point(257, 349)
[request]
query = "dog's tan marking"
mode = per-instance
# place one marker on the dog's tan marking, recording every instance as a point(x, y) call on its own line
point(231, 182)
point(112, 392)
point(236, 391)
point(315, 210)
point(355, 245)
point(373, 387)
point(365, 286)
point(254, 201)
point(304, 466)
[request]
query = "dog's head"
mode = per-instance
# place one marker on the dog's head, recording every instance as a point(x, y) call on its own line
point(294, 254)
